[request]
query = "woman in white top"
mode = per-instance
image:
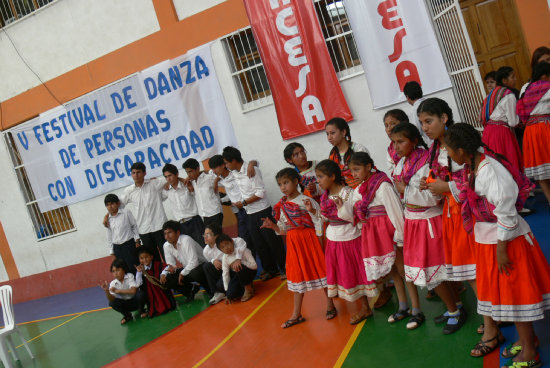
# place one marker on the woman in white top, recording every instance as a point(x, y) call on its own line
point(338, 134)
point(513, 276)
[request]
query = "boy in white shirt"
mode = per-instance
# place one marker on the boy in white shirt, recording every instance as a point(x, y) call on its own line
point(183, 203)
point(207, 197)
point(123, 293)
point(414, 95)
point(122, 233)
point(184, 250)
point(238, 267)
point(270, 245)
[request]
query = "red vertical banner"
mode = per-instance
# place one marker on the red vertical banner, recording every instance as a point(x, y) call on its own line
point(304, 85)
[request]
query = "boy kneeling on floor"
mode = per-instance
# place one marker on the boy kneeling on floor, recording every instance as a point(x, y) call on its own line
point(238, 271)
point(123, 293)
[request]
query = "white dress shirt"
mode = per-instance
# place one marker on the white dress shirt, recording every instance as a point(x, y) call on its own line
point(122, 227)
point(494, 182)
point(183, 201)
point(251, 186)
point(126, 284)
point(147, 204)
point(246, 258)
point(506, 111)
point(213, 253)
point(231, 189)
point(385, 196)
point(208, 202)
point(187, 252)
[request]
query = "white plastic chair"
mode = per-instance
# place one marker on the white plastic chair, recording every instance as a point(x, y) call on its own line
point(9, 328)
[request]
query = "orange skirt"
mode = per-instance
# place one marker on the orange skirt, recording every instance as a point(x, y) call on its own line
point(522, 296)
point(305, 261)
point(536, 151)
point(459, 246)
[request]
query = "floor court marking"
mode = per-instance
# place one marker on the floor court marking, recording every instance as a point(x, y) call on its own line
point(51, 329)
point(349, 344)
point(236, 329)
point(64, 315)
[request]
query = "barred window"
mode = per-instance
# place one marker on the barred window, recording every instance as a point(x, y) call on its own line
point(247, 68)
point(45, 224)
point(12, 10)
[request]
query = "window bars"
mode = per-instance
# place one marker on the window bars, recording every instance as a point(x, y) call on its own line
point(12, 10)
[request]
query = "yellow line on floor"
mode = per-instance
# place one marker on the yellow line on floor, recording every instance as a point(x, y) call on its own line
point(228, 337)
point(349, 344)
point(51, 329)
point(65, 315)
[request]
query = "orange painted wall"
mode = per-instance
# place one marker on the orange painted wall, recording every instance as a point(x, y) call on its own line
point(535, 20)
point(173, 39)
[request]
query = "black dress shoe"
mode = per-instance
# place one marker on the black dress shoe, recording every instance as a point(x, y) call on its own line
point(452, 328)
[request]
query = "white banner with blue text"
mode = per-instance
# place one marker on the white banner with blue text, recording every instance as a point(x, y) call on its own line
point(168, 113)
point(397, 44)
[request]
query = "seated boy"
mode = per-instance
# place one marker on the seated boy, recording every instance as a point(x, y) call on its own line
point(159, 299)
point(123, 293)
point(122, 232)
point(237, 269)
point(184, 250)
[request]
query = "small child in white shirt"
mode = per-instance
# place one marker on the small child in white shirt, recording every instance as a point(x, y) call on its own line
point(238, 267)
point(123, 293)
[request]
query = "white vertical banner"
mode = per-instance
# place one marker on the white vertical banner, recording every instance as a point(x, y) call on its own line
point(167, 113)
point(397, 44)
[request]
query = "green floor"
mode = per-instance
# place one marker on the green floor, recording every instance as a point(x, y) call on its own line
point(393, 346)
point(95, 339)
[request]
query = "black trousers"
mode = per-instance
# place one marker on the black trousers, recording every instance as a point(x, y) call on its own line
point(196, 275)
point(128, 252)
point(238, 281)
point(268, 244)
point(194, 227)
point(243, 231)
point(216, 219)
point(127, 306)
point(213, 277)
point(155, 242)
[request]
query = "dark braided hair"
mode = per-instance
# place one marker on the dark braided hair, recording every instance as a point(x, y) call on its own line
point(362, 159)
point(540, 69)
point(502, 73)
point(465, 136)
point(329, 167)
point(397, 114)
point(342, 125)
point(291, 174)
point(438, 107)
point(411, 132)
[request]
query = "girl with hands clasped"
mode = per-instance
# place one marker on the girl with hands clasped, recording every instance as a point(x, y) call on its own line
point(512, 272)
point(378, 207)
point(423, 252)
point(305, 261)
point(346, 276)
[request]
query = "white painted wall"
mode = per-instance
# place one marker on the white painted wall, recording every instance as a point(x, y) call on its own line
point(67, 34)
point(187, 8)
point(257, 132)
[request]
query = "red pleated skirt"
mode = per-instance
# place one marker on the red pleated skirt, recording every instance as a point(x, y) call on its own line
point(536, 150)
point(378, 248)
point(305, 261)
point(502, 140)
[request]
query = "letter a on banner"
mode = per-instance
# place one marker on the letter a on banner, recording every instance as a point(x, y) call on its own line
point(303, 82)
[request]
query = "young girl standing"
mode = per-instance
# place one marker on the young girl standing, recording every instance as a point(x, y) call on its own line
point(423, 252)
point(513, 275)
point(391, 119)
point(379, 209)
point(498, 116)
point(444, 176)
point(305, 261)
point(534, 111)
point(296, 155)
point(338, 134)
point(346, 277)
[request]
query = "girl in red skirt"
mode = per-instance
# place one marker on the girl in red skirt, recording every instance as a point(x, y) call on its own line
point(436, 116)
point(296, 155)
point(346, 277)
point(378, 207)
point(534, 111)
point(498, 116)
point(305, 261)
point(513, 276)
point(423, 250)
